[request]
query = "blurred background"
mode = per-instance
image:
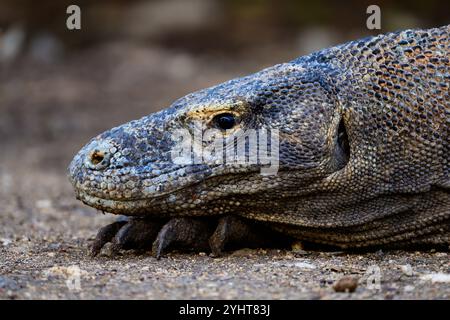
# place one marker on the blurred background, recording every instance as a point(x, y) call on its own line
point(59, 88)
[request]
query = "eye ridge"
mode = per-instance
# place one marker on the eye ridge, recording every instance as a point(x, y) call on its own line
point(225, 120)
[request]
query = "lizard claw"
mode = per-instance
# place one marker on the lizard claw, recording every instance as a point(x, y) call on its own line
point(133, 233)
point(232, 231)
point(202, 234)
point(104, 235)
point(183, 232)
point(137, 234)
point(223, 234)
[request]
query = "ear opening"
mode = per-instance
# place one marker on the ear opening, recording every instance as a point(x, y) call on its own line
point(342, 145)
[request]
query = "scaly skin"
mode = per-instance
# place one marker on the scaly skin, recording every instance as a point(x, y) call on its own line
point(363, 154)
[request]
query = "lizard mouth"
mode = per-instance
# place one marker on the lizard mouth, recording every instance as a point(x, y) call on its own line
point(126, 186)
point(160, 197)
point(157, 194)
point(125, 207)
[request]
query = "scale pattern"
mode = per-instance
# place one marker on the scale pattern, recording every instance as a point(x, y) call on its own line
point(363, 154)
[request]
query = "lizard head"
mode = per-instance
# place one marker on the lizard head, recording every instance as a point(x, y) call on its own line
point(270, 135)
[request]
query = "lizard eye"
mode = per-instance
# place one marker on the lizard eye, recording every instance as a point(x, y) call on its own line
point(225, 121)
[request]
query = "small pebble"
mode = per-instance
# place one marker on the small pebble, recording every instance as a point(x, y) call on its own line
point(5, 241)
point(108, 250)
point(297, 246)
point(409, 288)
point(245, 252)
point(407, 270)
point(346, 284)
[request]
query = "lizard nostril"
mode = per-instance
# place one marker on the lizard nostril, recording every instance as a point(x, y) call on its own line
point(98, 158)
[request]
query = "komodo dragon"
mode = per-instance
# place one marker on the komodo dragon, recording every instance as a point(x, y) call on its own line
point(363, 156)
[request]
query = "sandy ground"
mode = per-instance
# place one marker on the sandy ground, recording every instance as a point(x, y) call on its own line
point(49, 112)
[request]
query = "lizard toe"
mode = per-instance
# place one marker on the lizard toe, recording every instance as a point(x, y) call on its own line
point(105, 235)
point(233, 232)
point(137, 234)
point(186, 233)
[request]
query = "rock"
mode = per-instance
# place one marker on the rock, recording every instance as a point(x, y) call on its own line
point(407, 270)
point(346, 284)
point(245, 252)
point(109, 250)
point(297, 246)
point(65, 272)
point(304, 265)
point(5, 241)
point(298, 249)
point(409, 288)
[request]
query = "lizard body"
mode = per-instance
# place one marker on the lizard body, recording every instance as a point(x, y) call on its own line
point(363, 132)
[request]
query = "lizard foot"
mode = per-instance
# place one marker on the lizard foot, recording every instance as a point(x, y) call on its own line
point(190, 233)
point(137, 234)
point(200, 234)
point(104, 235)
point(231, 232)
point(131, 233)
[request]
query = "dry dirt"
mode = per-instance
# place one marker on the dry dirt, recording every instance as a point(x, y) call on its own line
point(49, 111)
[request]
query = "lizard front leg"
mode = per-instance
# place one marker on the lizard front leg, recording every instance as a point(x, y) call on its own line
point(127, 233)
point(155, 234)
point(187, 233)
point(234, 232)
